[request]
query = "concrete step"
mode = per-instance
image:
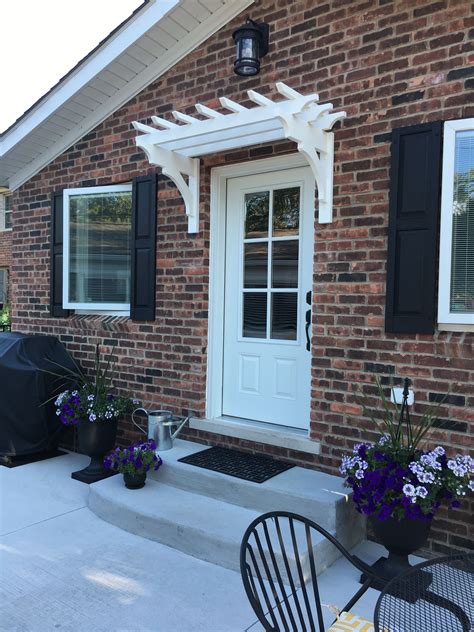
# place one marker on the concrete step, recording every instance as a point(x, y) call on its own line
point(198, 525)
point(316, 495)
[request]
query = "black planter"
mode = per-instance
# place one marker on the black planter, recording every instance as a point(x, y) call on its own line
point(400, 538)
point(96, 439)
point(134, 481)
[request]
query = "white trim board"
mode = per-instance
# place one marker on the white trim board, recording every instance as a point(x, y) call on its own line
point(219, 177)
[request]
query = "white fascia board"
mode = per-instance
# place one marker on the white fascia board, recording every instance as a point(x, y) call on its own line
point(205, 30)
point(106, 54)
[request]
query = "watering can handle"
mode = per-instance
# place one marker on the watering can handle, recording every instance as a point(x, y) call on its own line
point(135, 423)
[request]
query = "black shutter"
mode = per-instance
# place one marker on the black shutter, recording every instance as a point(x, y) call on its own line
point(413, 228)
point(142, 302)
point(56, 281)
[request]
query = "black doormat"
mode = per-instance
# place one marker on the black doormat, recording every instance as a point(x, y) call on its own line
point(15, 461)
point(250, 467)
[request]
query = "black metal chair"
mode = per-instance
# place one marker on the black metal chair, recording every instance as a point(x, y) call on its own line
point(278, 567)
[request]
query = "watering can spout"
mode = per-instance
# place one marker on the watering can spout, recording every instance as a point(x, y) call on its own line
point(179, 428)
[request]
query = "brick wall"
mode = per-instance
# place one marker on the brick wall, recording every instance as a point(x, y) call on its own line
point(388, 64)
point(5, 248)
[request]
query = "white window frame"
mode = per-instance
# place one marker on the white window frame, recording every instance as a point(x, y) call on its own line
point(445, 316)
point(88, 308)
point(3, 212)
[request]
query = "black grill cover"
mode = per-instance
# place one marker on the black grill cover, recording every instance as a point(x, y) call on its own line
point(27, 426)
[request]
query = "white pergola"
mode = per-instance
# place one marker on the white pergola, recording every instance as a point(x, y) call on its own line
point(301, 118)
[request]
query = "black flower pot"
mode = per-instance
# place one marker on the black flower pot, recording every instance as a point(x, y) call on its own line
point(96, 439)
point(134, 481)
point(400, 538)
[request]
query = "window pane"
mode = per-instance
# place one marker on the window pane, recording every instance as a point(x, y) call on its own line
point(255, 315)
point(7, 202)
point(285, 263)
point(256, 214)
point(3, 286)
point(286, 212)
point(462, 269)
point(284, 315)
point(99, 247)
point(255, 264)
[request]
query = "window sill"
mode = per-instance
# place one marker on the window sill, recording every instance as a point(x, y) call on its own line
point(269, 434)
point(468, 328)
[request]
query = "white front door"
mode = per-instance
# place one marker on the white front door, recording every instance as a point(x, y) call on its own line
point(268, 279)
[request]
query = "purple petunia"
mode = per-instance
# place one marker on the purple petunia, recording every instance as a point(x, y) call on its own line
point(387, 482)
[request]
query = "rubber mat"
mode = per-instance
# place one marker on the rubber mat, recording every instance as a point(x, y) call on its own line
point(250, 467)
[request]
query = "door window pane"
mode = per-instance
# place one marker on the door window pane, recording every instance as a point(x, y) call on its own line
point(286, 212)
point(255, 315)
point(255, 264)
point(285, 263)
point(99, 247)
point(284, 315)
point(256, 214)
point(462, 269)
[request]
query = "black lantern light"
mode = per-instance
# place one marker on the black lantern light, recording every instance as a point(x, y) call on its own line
point(251, 40)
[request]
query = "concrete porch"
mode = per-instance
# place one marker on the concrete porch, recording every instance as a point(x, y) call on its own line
point(61, 567)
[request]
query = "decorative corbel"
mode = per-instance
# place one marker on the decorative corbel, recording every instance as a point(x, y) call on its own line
point(174, 165)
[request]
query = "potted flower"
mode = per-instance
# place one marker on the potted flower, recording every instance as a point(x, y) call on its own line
point(134, 462)
point(400, 486)
point(93, 406)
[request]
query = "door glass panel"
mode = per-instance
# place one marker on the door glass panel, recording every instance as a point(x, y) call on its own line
point(285, 263)
point(255, 264)
point(286, 212)
point(284, 315)
point(256, 214)
point(255, 315)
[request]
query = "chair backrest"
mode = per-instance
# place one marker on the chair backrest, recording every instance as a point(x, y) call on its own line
point(278, 566)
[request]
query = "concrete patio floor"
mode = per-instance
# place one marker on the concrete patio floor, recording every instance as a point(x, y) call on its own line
point(62, 568)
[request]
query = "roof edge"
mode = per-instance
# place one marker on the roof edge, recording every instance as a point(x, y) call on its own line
point(110, 47)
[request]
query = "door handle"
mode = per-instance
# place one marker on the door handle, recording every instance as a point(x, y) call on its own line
point(308, 323)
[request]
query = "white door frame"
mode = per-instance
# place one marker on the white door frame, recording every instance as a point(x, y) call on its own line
point(215, 350)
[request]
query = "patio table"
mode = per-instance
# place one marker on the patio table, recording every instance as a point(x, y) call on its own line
point(434, 596)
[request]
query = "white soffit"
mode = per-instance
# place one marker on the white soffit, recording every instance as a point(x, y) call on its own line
point(152, 41)
point(300, 118)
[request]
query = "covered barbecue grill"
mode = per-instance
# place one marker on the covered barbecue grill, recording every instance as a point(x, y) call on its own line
point(27, 425)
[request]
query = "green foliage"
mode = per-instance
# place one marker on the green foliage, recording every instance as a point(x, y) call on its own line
point(5, 319)
point(404, 434)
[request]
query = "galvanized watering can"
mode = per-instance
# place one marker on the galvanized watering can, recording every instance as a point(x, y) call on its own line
point(160, 423)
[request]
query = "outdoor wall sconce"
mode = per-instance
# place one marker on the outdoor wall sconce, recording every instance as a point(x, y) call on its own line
point(251, 41)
